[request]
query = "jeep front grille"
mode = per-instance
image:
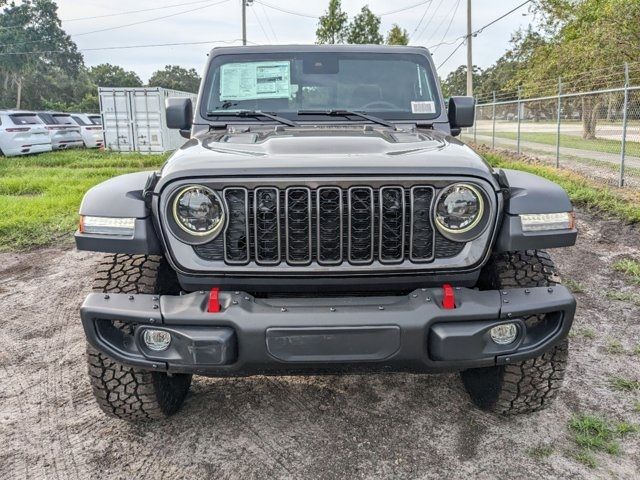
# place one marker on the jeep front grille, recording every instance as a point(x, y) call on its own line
point(329, 225)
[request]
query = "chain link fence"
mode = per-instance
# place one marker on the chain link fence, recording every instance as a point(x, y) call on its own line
point(595, 133)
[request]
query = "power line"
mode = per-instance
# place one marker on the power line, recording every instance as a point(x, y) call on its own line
point(404, 8)
point(132, 11)
point(266, 15)
point(284, 10)
point(426, 25)
point(124, 47)
point(116, 14)
point(480, 30)
point(123, 26)
point(452, 13)
point(255, 14)
point(422, 18)
point(451, 54)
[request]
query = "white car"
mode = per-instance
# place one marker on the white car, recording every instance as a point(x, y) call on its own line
point(22, 133)
point(90, 129)
point(63, 130)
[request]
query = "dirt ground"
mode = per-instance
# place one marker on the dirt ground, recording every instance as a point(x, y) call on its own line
point(380, 426)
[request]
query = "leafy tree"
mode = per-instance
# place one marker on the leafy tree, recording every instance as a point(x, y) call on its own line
point(584, 40)
point(177, 78)
point(33, 26)
point(365, 28)
point(107, 75)
point(456, 81)
point(397, 36)
point(332, 27)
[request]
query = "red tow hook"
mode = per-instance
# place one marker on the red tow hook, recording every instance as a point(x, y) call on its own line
point(448, 297)
point(214, 301)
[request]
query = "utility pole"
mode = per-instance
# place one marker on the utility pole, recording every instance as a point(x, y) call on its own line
point(244, 22)
point(469, 52)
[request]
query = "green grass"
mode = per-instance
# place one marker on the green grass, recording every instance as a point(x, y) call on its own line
point(541, 451)
point(40, 195)
point(593, 433)
point(620, 203)
point(573, 285)
point(573, 141)
point(583, 332)
point(630, 268)
point(614, 347)
point(627, 297)
point(622, 384)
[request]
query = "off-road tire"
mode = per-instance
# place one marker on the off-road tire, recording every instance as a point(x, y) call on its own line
point(125, 392)
point(532, 384)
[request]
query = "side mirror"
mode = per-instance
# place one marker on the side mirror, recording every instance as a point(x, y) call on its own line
point(179, 113)
point(461, 113)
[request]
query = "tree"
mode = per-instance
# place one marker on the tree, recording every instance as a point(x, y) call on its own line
point(397, 36)
point(584, 40)
point(332, 27)
point(33, 26)
point(456, 81)
point(365, 28)
point(107, 75)
point(177, 78)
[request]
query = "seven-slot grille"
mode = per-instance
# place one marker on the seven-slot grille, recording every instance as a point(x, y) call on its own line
point(329, 225)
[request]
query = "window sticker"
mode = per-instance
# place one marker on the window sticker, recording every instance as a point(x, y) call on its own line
point(423, 107)
point(255, 80)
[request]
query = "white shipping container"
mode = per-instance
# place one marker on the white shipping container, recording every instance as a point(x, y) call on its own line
point(134, 119)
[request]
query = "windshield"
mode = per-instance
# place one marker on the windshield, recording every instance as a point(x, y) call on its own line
point(393, 86)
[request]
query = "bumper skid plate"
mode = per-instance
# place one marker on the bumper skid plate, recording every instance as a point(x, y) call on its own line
point(326, 335)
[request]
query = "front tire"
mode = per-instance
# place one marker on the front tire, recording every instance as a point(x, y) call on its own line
point(532, 384)
point(131, 393)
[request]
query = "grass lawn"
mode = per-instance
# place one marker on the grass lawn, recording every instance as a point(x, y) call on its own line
point(573, 141)
point(40, 195)
point(620, 203)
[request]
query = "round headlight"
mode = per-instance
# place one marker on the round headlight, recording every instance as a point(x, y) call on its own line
point(459, 208)
point(198, 211)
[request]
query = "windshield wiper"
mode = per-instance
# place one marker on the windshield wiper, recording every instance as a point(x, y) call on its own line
point(254, 113)
point(346, 113)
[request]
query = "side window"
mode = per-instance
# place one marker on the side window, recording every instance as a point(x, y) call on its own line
point(78, 120)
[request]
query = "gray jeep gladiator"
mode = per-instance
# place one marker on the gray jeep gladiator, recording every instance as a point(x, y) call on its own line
point(322, 218)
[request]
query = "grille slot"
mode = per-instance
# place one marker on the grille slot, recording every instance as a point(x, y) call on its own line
point(298, 225)
point(329, 225)
point(236, 237)
point(421, 243)
point(392, 224)
point(361, 224)
point(266, 215)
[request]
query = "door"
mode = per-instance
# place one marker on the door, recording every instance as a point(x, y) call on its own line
point(116, 117)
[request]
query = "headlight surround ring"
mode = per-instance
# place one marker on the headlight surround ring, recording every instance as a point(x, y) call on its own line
point(180, 227)
point(479, 223)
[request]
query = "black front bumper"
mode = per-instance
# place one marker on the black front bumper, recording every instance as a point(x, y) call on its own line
point(327, 335)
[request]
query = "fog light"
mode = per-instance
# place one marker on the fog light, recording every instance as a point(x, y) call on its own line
point(504, 334)
point(156, 340)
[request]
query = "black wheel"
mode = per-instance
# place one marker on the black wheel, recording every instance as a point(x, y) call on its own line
point(125, 392)
point(530, 385)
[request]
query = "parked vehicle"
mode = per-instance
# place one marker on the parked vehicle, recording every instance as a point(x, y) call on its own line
point(63, 130)
point(323, 219)
point(135, 119)
point(90, 128)
point(22, 133)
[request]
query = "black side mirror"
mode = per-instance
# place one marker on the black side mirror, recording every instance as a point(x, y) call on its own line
point(179, 114)
point(461, 113)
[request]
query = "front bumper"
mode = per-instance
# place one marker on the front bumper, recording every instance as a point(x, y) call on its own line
point(252, 336)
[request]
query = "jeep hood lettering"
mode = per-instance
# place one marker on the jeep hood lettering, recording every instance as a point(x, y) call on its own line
point(335, 150)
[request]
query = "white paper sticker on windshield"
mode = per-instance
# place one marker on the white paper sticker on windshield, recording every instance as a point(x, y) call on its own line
point(255, 80)
point(423, 107)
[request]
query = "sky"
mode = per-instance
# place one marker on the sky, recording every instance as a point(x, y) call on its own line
point(219, 20)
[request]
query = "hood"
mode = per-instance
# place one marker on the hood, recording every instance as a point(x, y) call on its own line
point(317, 150)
